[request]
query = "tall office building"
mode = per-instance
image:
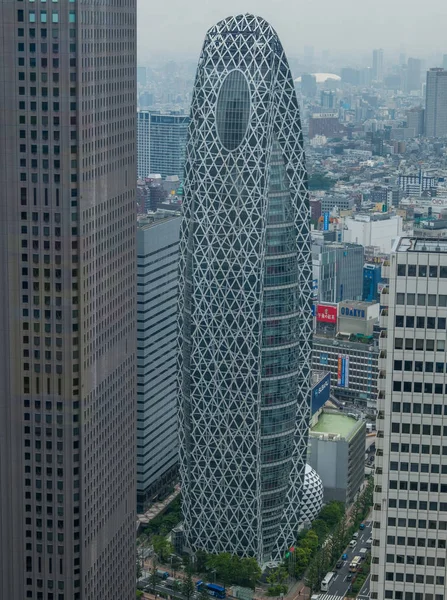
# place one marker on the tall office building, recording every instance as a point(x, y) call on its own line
point(378, 65)
point(413, 75)
point(157, 278)
point(245, 297)
point(444, 62)
point(67, 311)
point(161, 142)
point(410, 509)
point(436, 103)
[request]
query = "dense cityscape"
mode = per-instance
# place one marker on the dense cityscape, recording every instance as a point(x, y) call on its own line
point(223, 370)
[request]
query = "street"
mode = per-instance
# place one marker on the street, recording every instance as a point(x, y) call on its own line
point(340, 584)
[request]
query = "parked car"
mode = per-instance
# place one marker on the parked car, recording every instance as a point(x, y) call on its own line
point(349, 577)
point(362, 526)
point(353, 543)
point(344, 556)
point(339, 564)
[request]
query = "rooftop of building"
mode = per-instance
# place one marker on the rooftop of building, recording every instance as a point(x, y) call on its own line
point(154, 219)
point(332, 422)
point(415, 244)
point(358, 342)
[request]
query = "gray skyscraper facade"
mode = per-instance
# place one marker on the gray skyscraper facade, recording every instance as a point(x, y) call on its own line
point(67, 312)
point(157, 278)
point(378, 64)
point(436, 103)
point(245, 298)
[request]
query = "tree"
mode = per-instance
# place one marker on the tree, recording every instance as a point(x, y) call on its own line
point(302, 559)
point(139, 594)
point(188, 588)
point(277, 579)
point(332, 513)
point(139, 569)
point(162, 548)
point(201, 558)
point(153, 578)
point(310, 541)
point(321, 529)
point(226, 566)
point(250, 572)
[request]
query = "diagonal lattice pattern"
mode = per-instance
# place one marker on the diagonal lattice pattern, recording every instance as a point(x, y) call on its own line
point(245, 298)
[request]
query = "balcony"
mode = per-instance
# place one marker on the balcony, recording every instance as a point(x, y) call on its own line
point(386, 270)
point(383, 318)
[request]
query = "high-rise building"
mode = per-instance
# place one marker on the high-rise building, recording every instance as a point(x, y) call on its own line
point(338, 270)
point(67, 312)
point(415, 120)
point(410, 508)
point(245, 298)
point(308, 85)
point(436, 103)
point(413, 75)
point(444, 62)
point(157, 446)
point(378, 65)
point(142, 75)
point(328, 99)
point(161, 142)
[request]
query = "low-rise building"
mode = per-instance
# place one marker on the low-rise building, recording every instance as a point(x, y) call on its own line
point(337, 453)
point(353, 366)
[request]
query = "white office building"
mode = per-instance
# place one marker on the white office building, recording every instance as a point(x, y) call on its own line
point(410, 503)
point(378, 230)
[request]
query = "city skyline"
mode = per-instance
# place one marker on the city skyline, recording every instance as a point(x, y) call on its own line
point(245, 298)
point(320, 25)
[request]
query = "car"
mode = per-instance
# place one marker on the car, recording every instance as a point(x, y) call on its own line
point(349, 577)
point(344, 556)
point(339, 564)
point(369, 543)
point(355, 535)
point(353, 543)
point(362, 526)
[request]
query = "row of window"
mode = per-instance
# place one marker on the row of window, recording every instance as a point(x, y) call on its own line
point(432, 271)
point(419, 388)
point(409, 559)
point(420, 322)
point(422, 505)
point(421, 523)
point(410, 299)
point(419, 366)
point(44, 16)
point(419, 344)
point(398, 595)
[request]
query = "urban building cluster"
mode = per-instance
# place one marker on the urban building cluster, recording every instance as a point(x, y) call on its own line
point(240, 297)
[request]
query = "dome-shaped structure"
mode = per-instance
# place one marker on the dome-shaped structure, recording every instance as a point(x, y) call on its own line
point(312, 498)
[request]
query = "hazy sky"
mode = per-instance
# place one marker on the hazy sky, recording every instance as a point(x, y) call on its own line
point(173, 27)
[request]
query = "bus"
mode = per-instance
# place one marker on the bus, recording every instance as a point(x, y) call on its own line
point(212, 588)
point(327, 581)
point(162, 574)
point(355, 563)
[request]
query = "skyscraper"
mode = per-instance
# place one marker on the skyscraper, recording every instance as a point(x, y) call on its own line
point(436, 103)
point(161, 142)
point(245, 297)
point(67, 311)
point(378, 64)
point(413, 75)
point(157, 277)
point(410, 509)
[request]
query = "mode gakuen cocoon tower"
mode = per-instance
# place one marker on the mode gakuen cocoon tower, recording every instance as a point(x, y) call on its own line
point(245, 298)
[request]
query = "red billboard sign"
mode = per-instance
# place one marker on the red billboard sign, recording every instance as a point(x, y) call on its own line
point(326, 314)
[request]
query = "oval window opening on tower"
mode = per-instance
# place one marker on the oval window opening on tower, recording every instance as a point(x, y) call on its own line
point(233, 110)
